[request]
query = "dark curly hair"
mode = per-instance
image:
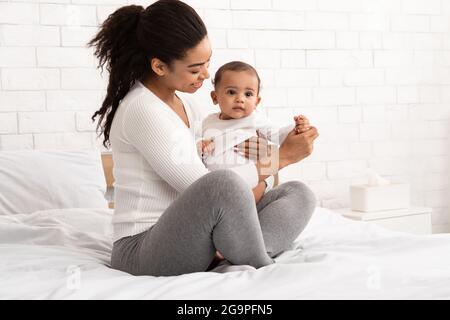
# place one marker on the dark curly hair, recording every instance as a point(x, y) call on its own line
point(235, 66)
point(130, 37)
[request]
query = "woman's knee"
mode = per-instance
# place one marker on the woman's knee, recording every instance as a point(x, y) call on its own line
point(226, 185)
point(303, 195)
point(224, 177)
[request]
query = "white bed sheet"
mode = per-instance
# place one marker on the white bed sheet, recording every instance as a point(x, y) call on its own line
point(64, 254)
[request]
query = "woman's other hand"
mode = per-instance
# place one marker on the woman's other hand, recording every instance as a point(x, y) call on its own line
point(297, 146)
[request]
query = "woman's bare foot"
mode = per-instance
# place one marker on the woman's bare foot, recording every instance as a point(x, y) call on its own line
point(218, 258)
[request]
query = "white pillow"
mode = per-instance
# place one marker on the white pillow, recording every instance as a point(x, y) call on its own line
point(34, 180)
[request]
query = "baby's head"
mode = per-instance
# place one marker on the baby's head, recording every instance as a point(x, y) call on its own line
point(236, 90)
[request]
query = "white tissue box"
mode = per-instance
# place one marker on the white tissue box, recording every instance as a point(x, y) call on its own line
point(376, 198)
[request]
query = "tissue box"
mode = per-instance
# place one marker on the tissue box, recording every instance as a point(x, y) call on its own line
point(377, 198)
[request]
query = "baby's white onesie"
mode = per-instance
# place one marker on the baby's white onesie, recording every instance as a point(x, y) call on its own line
point(228, 133)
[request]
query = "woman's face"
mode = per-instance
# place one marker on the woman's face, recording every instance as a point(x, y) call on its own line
point(188, 74)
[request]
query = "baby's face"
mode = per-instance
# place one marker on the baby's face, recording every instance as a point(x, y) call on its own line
point(236, 94)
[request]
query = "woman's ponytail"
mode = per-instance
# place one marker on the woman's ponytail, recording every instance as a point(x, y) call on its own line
point(130, 37)
point(117, 47)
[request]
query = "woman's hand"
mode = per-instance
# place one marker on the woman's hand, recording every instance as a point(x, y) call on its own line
point(297, 146)
point(255, 148)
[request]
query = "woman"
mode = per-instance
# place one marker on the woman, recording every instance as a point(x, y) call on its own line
point(172, 215)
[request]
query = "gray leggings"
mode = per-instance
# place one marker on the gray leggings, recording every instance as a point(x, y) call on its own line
point(217, 212)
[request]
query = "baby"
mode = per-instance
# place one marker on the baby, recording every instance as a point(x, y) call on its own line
point(236, 91)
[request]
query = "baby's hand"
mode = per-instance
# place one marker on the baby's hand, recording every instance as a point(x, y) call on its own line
point(206, 147)
point(301, 124)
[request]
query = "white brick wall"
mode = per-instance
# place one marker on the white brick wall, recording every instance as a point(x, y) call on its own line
point(373, 75)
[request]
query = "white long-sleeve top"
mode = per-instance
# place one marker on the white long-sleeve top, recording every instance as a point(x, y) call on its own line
point(155, 159)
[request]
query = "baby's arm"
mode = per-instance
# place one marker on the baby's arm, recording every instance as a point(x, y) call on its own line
point(277, 135)
point(272, 131)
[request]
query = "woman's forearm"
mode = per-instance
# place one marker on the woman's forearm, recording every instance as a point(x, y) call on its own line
point(270, 166)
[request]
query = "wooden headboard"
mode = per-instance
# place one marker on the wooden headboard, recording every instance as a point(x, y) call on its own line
point(107, 162)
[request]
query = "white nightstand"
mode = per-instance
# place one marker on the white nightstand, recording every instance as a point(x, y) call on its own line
point(415, 220)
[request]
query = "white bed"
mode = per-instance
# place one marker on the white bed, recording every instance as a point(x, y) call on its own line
point(64, 254)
